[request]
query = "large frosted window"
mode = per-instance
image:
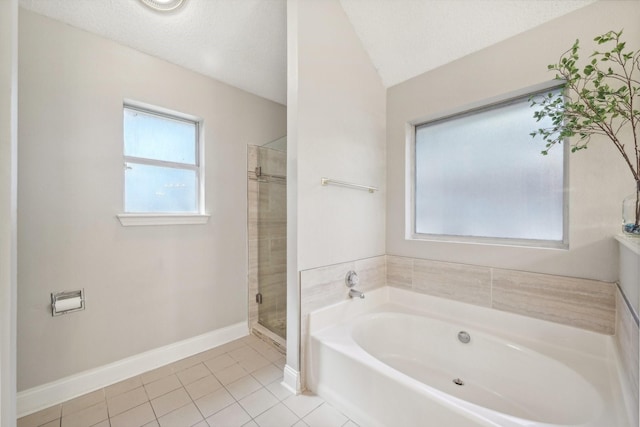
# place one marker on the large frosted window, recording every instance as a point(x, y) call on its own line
point(162, 168)
point(481, 174)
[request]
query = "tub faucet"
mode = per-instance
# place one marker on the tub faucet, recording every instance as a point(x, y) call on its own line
point(355, 294)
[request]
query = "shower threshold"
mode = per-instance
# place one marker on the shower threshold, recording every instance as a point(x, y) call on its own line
point(269, 337)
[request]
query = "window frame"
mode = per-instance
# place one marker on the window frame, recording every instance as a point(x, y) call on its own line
point(167, 218)
point(466, 110)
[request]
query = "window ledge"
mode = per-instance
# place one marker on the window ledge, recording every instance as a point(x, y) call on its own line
point(128, 220)
point(632, 243)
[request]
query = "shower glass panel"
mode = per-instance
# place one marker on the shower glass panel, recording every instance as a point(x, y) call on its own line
point(268, 241)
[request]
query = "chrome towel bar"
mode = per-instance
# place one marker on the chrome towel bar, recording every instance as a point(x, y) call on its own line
point(327, 181)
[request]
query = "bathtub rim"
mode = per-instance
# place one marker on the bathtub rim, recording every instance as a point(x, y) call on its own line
point(542, 333)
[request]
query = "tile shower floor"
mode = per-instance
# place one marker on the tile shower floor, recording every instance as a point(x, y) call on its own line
point(236, 384)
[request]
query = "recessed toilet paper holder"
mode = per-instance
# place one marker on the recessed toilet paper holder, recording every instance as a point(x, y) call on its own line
point(67, 302)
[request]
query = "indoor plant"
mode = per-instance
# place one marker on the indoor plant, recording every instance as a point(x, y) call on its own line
point(601, 97)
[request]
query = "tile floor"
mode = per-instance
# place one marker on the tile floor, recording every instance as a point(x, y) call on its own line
point(236, 384)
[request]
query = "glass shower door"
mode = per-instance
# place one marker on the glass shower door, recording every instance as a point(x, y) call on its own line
point(272, 240)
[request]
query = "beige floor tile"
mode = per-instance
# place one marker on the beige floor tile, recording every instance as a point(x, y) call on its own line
point(254, 363)
point(203, 386)
point(185, 416)
point(250, 424)
point(277, 416)
point(122, 387)
point(87, 416)
point(82, 402)
point(193, 373)
point(214, 402)
point(138, 416)
point(202, 423)
point(54, 423)
point(278, 390)
point(258, 402)
point(325, 416)
point(243, 353)
point(267, 374)
point(170, 402)
point(153, 423)
point(301, 424)
point(230, 346)
point(231, 374)
point(211, 354)
point(272, 355)
point(125, 401)
point(220, 363)
point(280, 362)
point(350, 424)
point(259, 345)
point(188, 362)
point(303, 404)
point(41, 417)
point(243, 387)
point(156, 374)
point(162, 386)
point(231, 416)
point(104, 423)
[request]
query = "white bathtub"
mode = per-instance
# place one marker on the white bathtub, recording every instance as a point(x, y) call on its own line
point(394, 359)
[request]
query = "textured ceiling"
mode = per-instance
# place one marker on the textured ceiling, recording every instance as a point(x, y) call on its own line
point(421, 35)
point(243, 42)
point(239, 42)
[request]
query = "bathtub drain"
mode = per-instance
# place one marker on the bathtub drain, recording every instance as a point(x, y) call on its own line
point(458, 381)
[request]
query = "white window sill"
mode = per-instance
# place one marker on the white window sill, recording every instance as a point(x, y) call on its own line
point(128, 220)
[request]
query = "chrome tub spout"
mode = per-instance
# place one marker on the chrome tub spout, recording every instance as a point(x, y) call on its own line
point(355, 294)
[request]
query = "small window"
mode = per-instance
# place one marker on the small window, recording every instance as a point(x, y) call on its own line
point(162, 162)
point(480, 176)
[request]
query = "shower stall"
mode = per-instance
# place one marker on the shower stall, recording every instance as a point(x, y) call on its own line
point(267, 234)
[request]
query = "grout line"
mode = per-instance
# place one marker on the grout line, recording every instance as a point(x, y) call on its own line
point(246, 345)
point(633, 312)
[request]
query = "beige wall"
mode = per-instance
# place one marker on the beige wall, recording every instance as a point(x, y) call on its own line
point(336, 129)
point(8, 206)
point(598, 177)
point(341, 124)
point(145, 286)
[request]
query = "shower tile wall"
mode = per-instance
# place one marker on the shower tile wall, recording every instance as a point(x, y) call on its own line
point(267, 227)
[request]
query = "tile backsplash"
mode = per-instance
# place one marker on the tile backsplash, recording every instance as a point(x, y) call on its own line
point(582, 303)
point(627, 347)
point(323, 286)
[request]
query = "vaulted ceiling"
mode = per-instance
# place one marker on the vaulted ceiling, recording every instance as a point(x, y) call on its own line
point(243, 42)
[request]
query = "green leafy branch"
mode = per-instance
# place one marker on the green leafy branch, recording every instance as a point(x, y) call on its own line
point(600, 98)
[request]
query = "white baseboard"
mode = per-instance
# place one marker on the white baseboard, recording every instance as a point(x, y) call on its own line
point(291, 380)
point(46, 395)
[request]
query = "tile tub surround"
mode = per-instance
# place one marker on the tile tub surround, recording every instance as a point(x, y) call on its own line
point(320, 287)
point(626, 341)
point(224, 386)
point(582, 303)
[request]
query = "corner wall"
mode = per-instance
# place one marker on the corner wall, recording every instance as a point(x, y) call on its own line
point(8, 207)
point(146, 287)
point(336, 129)
point(599, 179)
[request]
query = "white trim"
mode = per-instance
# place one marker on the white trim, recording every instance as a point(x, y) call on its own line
point(40, 397)
point(128, 220)
point(632, 243)
point(291, 380)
